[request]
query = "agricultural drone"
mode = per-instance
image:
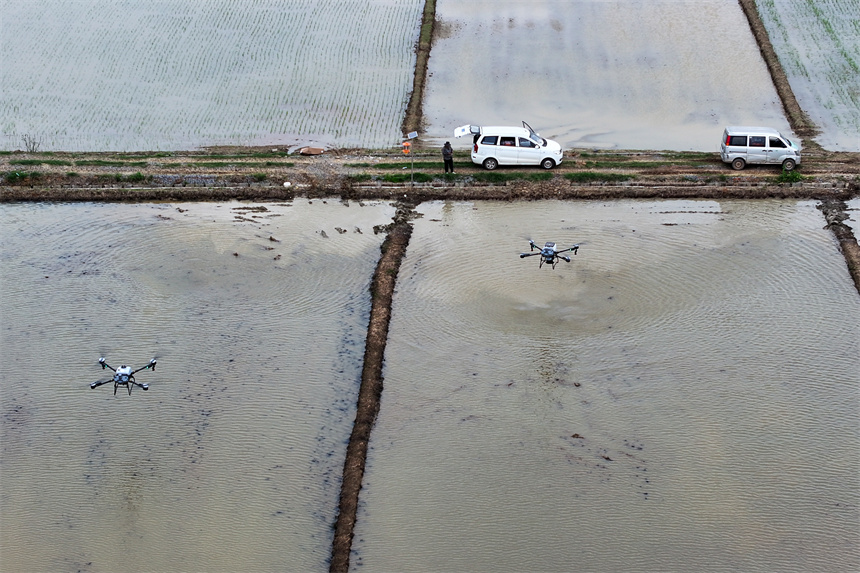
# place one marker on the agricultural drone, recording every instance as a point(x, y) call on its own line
point(549, 254)
point(124, 376)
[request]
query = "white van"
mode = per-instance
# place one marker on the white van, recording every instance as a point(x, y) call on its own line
point(498, 145)
point(742, 145)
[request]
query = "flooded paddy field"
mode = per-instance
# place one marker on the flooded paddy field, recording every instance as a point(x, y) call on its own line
point(599, 73)
point(231, 461)
point(818, 44)
point(682, 396)
point(168, 75)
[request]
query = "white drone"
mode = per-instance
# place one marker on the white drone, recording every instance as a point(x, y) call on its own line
point(124, 376)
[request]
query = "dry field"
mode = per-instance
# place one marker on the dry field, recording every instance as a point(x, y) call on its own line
point(818, 44)
point(167, 74)
point(603, 74)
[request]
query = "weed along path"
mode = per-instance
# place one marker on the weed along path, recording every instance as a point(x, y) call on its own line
point(370, 392)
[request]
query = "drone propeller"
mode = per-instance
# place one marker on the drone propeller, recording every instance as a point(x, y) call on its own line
point(151, 365)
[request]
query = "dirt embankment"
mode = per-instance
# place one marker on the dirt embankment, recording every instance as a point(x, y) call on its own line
point(412, 121)
point(797, 118)
point(834, 214)
point(382, 292)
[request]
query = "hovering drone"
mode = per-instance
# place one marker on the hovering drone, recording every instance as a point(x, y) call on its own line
point(549, 254)
point(124, 376)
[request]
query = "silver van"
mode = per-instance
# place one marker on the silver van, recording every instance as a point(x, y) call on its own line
point(758, 145)
point(504, 145)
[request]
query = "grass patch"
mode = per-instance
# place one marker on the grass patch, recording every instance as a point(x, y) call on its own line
point(259, 177)
point(156, 155)
point(104, 163)
point(39, 162)
point(589, 176)
point(13, 177)
point(502, 177)
point(623, 164)
point(258, 155)
point(402, 164)
point(789, 177)
point(257, 164)
point(419, 177)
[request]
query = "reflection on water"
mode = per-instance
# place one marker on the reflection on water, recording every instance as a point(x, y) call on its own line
point(682, 396)
point(231, 461)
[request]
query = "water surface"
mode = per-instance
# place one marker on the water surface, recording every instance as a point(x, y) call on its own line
point(231, 460)
point(682, 396)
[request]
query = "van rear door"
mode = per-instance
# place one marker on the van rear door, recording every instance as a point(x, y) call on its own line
point(467, 130)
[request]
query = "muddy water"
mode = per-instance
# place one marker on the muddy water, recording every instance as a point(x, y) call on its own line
point(853, 213)
point(682, 396)
point(231, 461)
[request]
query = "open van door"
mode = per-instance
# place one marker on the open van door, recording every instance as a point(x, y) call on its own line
point(467, 130)
point(533, 134)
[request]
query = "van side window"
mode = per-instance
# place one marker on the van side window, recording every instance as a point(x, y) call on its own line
point(490, 140)
point(526, 142)
point(739, 140)
point(776, 142)
point(508, 141)
point(757, 140)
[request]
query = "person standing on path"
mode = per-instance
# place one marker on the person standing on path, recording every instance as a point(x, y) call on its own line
point(448, 157)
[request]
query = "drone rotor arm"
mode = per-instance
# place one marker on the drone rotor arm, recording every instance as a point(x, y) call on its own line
point(106, 365)
point(524, 255)
point(150, 365)
point(95, 385)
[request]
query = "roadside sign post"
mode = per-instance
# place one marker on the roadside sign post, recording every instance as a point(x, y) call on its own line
point(407, 149)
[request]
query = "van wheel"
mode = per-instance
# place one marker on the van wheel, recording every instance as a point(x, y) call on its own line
point(788, 165)
point(547, 163)
point(490, 164)
point(738, 164)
